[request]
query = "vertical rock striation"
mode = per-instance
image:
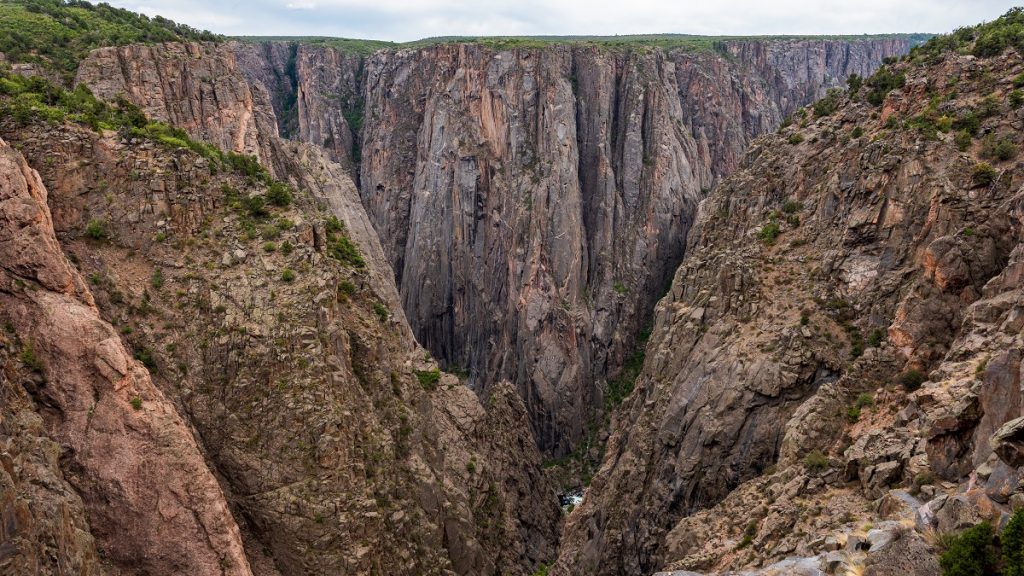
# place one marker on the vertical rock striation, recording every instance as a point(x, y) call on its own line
point(193, 86)
point(535, 202)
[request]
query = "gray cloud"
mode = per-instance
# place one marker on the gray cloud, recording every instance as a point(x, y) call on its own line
point(402, 20)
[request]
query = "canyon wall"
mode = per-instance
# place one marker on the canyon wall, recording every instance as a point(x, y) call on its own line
point(533, 205)
point(850, 260)
point(535, 202)
point(312, 398)
point(95, 410)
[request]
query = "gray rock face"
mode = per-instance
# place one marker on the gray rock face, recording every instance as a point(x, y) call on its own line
point(1008, 442)
point(272, 65)
point(534, 203)
point(815, 242)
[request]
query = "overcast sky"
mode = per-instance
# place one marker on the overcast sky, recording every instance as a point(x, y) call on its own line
point(402, 20)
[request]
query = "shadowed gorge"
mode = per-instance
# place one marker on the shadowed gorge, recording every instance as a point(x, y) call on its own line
point(534, 202)
point(620, 306)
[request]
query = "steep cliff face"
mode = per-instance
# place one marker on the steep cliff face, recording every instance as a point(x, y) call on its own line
point(203, 89)
point(341, 447)
point(330, 101)
point(851, 258)
point(316, 92)
point(273, 66)
point(194, 86)
point(535, 202)
point(121, 444)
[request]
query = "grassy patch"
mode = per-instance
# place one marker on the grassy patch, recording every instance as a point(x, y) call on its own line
point(428, 379)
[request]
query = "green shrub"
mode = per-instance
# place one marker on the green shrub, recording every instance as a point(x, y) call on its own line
point(854, 82)
point(245, 164)
point(333, 225)
point(796, 138)
point(345, 251)
point(926, 125)
point(983, 174)
point(428, 379)
point(792, 206)
point(145, 355)
point(853, 414)
point(912, 379)
point(882, 82)
point(269, 247)
point(857, 132)
point(856, 345)
point(1016, 98)
point(270, 232)
point(381, 311)
point(620, 387)
point(287, 247)
point(769, 232)
point(256, 206)
point(279, 194)
point(963, 140)
point(864, 400)
point(1001, 148)
point(749, 532)
point(829, 104)
point(876, 337)
point(157, 279)
point(969, 122)
point(620, 288)
point(288, 275)
point(816, 461)
point(971, 553)
point(989, 106)
point(29, 358)
point(347, 287)
point(96, 229)
point(1012, 543)
point(136, 403)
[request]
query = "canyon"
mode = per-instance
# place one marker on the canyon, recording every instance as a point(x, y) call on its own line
point(534, 203)
point(303, 308)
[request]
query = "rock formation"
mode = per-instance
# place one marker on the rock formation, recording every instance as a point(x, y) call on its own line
point(570, 178)
point(856, 254)
point(313, 402)
point(534, 202)
point(102, 412)
point(190, 86)
point(840, 346)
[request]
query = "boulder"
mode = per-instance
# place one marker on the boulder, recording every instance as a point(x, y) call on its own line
point(1008, 442)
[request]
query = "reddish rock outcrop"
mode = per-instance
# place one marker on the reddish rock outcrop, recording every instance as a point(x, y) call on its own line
point(195, 86)
point(151, 502)
point(341, 449)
